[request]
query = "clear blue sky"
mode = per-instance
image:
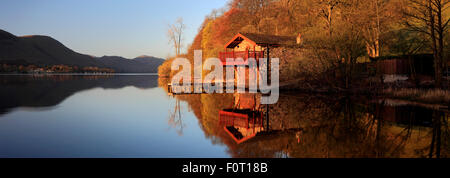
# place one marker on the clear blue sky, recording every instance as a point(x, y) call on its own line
point(126, 28)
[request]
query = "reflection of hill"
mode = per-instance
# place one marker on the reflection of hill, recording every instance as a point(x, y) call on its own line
point(50, 90)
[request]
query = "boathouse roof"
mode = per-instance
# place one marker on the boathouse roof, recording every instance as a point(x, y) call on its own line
point(262, 40)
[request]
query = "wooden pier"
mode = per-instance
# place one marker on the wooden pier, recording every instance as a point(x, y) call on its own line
point(199, 89)
point(223, 85)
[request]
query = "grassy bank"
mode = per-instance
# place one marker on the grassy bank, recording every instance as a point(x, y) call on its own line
point(420, 95)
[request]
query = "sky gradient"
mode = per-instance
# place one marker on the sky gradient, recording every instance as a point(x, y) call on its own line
point(127, 28)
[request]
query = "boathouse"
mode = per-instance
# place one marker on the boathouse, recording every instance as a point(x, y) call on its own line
point(252, 45)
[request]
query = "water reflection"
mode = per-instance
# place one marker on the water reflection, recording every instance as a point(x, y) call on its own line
point(175, 118)
point(47, 91)
point(95, 116)
point(322, 126)
point(131, 121)
point(245, 120)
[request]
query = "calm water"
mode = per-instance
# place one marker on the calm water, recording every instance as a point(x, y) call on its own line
point(130, 116)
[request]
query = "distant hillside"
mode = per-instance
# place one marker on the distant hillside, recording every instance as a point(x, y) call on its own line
point(139, 65)
point(44, 51)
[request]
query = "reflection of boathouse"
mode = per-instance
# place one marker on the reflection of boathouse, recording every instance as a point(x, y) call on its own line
point(241, 125)
point(245, 119)
point(248, 119)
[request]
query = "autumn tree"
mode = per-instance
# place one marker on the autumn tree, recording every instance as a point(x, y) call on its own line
point(327, 8)
point(175, 34)
point(336, 33)
point(348, 40)
point(428, 17)
point(379, 16)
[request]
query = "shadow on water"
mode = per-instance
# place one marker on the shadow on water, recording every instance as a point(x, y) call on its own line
point(47, 91)
point(321, 126)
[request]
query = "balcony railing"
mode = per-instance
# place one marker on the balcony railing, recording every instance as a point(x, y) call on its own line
point(223, 56)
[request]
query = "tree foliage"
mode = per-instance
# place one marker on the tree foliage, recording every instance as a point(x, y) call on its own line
point(339, 32)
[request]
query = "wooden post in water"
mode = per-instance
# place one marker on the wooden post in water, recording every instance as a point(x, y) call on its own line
point(267, 117)
point(268, 65)
point(268, 79)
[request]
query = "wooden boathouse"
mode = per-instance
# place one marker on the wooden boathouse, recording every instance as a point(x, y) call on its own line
point(252, 45)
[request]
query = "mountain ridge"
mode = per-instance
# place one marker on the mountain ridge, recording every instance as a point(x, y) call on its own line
point(43, 50)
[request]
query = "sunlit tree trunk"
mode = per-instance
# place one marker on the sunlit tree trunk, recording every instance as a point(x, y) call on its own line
point(373, 31)
point(327, 13)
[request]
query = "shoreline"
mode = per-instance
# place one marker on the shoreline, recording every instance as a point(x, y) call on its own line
point(436, 97)
point(43, 74)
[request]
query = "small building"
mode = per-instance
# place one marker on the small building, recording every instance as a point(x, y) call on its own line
point(395, 68)
point(252, 45)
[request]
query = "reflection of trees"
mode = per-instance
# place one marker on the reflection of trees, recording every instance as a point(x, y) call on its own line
point(175, 119)
point(163, 82)
point(439, 133)
point(359, 130)
point(324, 126)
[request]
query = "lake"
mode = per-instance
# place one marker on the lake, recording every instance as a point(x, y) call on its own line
point(128, 116)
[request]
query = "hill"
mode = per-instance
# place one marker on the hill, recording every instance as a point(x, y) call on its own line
point(46, 51)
